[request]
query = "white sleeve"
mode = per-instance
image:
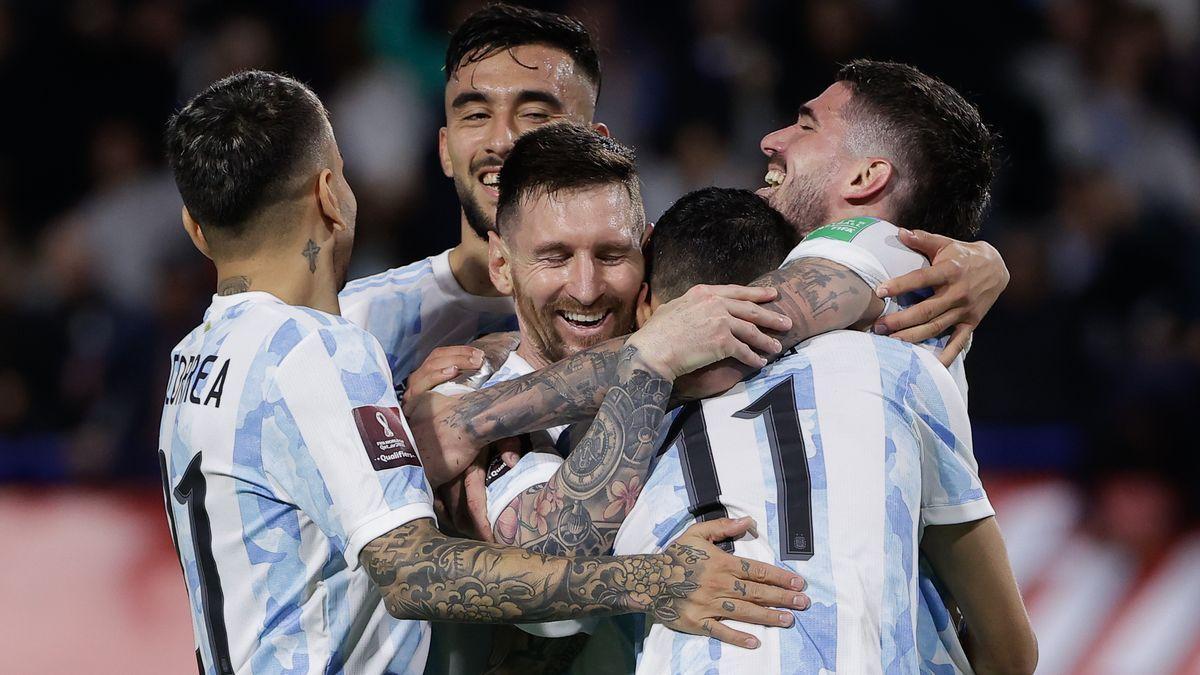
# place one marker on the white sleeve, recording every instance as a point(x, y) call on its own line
point(342, 450)
point(951, 491)
point(869, 247)
point(533, 469)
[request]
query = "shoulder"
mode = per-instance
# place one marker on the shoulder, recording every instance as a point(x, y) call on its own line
point(387, 283)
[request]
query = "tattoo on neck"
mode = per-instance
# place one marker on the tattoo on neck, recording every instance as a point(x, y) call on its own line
point(233, 285)
point(310, 251)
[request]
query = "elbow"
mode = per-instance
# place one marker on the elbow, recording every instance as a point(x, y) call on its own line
point(1020, 660)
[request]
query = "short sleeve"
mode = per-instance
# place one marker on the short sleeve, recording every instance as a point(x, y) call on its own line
point(352, 467)
point(951, 491)
point(533, 469)
point(869, 247)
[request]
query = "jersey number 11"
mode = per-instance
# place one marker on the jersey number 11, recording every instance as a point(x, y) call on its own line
point(793, 485)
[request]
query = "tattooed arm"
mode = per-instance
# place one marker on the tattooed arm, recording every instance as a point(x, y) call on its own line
point(423, 574)
point(579, 510)
point(710, 323)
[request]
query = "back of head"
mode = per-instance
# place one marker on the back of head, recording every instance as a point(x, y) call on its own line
point(715, 236)
point(241, 146)
point(501, 26)
point(945, 156)
point(564, 157)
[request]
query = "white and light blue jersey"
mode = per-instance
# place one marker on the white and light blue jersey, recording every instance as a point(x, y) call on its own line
point(842, 452)
point(283, 454)
point(871, 248)
point(414, 309)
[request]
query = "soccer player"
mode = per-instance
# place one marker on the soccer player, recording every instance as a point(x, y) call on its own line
point(296, 497)
point(511, 69)
point(508, 70)
point(856, 450)
point(884, 139)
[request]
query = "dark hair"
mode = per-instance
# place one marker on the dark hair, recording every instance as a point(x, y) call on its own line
point(945, 155)
point(237, 146)
point(715, 236)
point(502, 26)
point(564, 156)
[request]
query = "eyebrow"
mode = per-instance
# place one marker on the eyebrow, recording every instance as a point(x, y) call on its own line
point(468, 97)
point(806, 111)
point(537, 96)
point(524, 96)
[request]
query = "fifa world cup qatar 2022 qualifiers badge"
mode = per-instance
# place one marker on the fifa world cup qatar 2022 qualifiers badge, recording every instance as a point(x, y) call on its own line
point(385, 437)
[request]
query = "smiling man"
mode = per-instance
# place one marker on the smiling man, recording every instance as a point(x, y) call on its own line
point(508, 70)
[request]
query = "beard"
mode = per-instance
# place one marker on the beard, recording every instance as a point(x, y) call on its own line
point(539, 327)
point(481, 221)
point(804, 206)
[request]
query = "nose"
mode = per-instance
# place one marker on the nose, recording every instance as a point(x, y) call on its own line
point(586, 285)
point(501, 135)
point(774, 142)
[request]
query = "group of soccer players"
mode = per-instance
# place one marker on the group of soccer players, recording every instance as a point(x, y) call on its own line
point(681, 448)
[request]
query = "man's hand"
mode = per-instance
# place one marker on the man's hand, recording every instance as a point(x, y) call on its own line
point(966, 278)
point(442, 365)
point(707, 324)
point(716, 586)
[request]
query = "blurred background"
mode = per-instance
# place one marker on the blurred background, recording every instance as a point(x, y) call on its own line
point(1084, 378)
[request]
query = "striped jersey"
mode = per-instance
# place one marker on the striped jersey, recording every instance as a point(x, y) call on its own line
point(283, 454)
point(414, 309)
point(842, 451)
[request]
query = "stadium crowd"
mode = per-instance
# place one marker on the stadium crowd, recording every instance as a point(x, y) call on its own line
point(1089, 364)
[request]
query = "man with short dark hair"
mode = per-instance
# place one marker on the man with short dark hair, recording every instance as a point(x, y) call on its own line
point(818, 171)
point(298, 502)
point(508, 69)
point(723, 235)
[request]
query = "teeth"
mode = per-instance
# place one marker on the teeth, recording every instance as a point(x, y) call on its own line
point(775, 177)
point(583, 318)
point(492, 179)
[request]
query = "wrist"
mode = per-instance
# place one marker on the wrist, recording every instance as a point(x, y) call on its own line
point(640, 354)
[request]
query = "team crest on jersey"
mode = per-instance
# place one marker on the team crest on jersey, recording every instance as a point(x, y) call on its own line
point(384, 437)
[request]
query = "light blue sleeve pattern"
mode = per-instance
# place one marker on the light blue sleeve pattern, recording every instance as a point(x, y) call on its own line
point(309, 385)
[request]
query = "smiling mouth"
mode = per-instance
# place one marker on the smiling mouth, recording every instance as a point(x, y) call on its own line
point(583, 320)
point(491, 181)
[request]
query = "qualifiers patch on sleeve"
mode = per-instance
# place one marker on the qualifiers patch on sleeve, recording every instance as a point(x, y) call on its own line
point(385, 438)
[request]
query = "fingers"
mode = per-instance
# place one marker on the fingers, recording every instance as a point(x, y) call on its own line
point(763, 573)
point(758, 315)
point(442, 365)
point(958, 341)
point(926, 277)
point(740, 610)
point(935, 327)
point(749, 293)
point(720, 529)
point(770, 596)
point(752, 336)
point(716, 629)
point(924, 312)
point(476, 499)
point(925, 243)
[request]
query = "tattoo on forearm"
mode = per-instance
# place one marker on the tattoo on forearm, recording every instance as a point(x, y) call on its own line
point(423, 574)
point(310, 251)
point(233, 285)
point(583, 505)
point(818, 295)
point(568, 391)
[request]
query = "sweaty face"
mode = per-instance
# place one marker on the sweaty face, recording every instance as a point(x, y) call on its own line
point(804, 158)
point(576, 266)
point(490, 103)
